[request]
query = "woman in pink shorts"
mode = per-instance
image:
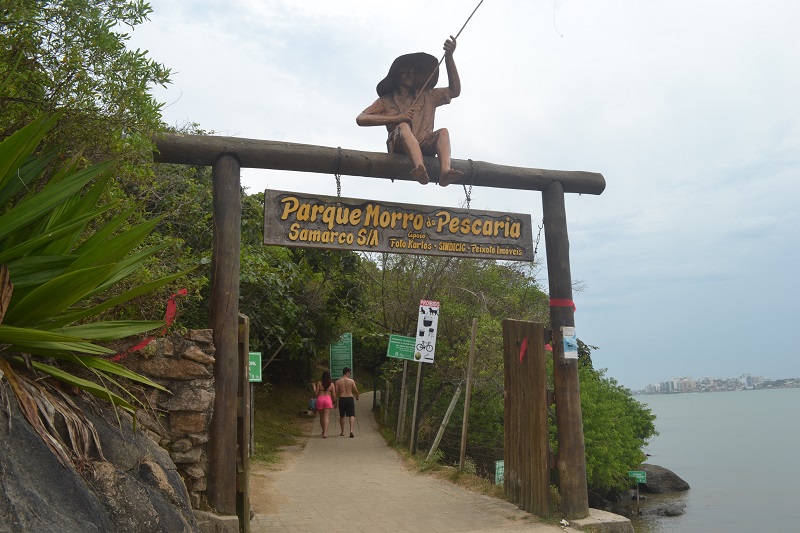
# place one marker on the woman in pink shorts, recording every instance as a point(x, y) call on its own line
point(326, 396)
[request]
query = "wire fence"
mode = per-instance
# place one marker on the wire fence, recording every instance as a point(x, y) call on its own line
point(484, 442)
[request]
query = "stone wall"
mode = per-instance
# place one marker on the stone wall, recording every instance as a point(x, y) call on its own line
point(179, 420)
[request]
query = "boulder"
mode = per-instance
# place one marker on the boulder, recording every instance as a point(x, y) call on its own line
point(135, 488)
point(673, 509)
point(662, 481)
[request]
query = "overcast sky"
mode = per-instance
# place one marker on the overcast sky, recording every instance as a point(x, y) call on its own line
point(690, 110)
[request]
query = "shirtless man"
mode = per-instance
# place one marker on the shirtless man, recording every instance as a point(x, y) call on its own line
point(345, 389)
point(407, 107)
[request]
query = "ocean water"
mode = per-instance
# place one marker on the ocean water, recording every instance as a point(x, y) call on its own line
point(739, 452)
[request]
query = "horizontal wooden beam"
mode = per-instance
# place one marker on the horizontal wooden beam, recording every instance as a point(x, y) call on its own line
point(276, 155)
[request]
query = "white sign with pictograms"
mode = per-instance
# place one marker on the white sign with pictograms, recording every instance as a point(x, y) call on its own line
point(427, 324)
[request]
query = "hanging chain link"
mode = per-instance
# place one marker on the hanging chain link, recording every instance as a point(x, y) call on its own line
point(338, 174)
point(468, 192)
point(536, 243)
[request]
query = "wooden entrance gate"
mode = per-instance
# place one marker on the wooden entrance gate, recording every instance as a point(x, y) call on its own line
point(227, 155)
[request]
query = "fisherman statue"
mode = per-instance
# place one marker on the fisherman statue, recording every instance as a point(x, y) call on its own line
point(406, 105)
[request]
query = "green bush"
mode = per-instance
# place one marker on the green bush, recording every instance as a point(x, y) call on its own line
point(53, 272)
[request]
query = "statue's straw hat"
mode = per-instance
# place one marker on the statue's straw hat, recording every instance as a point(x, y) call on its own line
point(422, 63)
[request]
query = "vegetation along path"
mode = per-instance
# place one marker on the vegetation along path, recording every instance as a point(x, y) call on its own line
point(361, 485)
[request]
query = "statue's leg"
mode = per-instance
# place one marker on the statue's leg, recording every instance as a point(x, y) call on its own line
point(413, 151)
point(448, 175)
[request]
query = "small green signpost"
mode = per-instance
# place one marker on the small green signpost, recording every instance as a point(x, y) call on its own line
point(341, 355)
point(499, 472)
point(254, 368)
point(639, 476)
point(401, 347)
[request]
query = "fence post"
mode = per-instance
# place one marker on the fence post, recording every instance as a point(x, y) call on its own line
point(401, 408)
point(445, 420)
point(465, 423)
point(415, 413)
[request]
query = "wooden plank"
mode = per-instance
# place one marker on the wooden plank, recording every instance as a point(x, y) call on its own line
point(255, 153)
point(224, 323)
point(522, 364)
point(243, 427)
point(540, 467)
point(507, 449)
point(571, 453)
point(512, 453)
point(516, 398)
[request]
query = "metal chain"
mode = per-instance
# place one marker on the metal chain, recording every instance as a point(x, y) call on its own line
point(338, 174)
point(468, 193)
point(536, 243)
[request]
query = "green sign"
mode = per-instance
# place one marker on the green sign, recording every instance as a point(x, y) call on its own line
point(341, 355)
point(254, 368)
point(499, 472)
point(639, 476)
point(401, 347)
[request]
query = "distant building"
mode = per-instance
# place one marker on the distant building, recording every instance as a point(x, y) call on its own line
point(709, 384)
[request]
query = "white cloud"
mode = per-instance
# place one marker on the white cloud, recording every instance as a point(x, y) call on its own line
point(689, 109)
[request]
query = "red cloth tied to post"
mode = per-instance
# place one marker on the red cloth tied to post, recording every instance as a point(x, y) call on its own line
point(169, 318)
point(562, 302)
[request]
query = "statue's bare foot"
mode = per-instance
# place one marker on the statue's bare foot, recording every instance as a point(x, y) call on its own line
point(450, 176)
point(420, 174)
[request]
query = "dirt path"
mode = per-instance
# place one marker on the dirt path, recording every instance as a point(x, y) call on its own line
point(264, 498)
point(361, 485)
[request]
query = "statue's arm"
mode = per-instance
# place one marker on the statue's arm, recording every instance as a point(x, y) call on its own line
point(454, 81)
point(377, 116)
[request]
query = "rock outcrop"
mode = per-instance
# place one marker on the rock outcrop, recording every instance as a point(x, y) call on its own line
point(662, 481)
point(136, 488)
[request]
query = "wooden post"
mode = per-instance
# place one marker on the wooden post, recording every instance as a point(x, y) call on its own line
point(415, 413)
point(401, 409)
point(385, 405)
point(445, 420)
point(375, 379)
point(243, 428)
point(571, 453)
point(252, 418)
point(465, 421)
point(224, 316)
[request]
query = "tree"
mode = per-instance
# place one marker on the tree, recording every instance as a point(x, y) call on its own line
point(615, 429)
point(616, 426)
point(70, 55)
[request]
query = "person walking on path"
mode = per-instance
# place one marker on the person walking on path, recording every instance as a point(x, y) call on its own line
point(326, 396)
point(345, 389)
point(406, 105)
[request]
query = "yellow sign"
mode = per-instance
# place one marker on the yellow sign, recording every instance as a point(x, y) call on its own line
point(312, 221)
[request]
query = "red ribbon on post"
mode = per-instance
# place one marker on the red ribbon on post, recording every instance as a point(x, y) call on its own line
point(562, 302)
point(169, 317)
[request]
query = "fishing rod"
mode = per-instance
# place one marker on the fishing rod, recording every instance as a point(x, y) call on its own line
point(445, 55)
